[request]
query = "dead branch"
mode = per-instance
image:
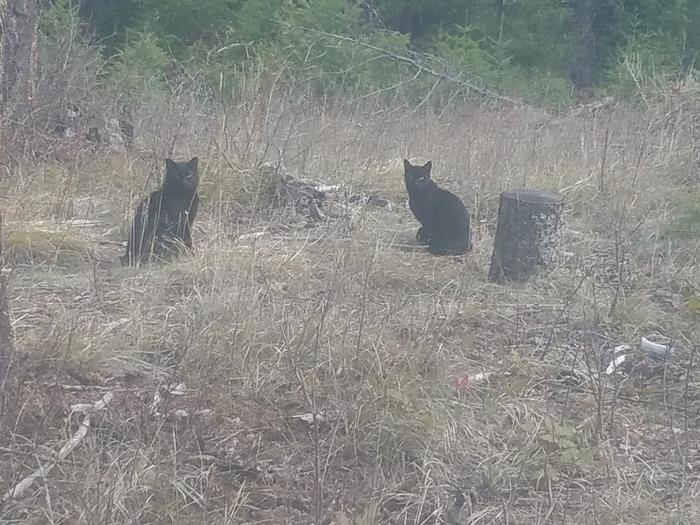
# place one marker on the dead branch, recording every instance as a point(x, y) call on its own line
point(416, 64)
point(19, 489)
point(6, 336)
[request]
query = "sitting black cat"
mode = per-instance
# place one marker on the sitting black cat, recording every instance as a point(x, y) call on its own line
point(443, 216)
point(163, 221)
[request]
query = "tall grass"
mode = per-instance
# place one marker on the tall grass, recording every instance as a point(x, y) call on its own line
point(318, 362)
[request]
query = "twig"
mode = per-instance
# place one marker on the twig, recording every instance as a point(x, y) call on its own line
point(565, 308)
point(19, 489)
point(602, 183)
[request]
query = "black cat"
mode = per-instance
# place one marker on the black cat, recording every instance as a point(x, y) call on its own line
point(163, 221)
point(443, 217)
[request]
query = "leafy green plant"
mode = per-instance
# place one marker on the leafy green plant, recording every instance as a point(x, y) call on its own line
point(558, 450)
point(142, 64)
point(463, 49)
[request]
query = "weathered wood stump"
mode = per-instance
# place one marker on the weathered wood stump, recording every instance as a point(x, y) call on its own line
point(526, 234)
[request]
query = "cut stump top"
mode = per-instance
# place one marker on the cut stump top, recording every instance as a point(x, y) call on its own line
point(534, 196)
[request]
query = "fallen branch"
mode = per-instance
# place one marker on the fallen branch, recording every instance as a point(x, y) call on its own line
point(19, 489)
point(417, 65)
point(6, 332)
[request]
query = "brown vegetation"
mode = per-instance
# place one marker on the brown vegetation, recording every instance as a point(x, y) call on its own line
point(314, 373)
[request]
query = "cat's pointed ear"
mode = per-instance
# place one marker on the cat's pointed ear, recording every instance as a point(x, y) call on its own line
point(193, 163)
point(406, 164)
point(170, 165)
point(428, 166)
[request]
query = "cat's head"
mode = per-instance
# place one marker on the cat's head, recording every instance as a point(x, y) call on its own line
point(417, 177)
point(181, 176)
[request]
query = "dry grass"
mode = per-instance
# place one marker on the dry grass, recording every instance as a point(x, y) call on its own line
point(338, 320)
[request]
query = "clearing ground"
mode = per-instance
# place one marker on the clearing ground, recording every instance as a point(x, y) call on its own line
point(298, 371)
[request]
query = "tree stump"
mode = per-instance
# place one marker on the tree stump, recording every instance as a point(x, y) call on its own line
point(526, 234)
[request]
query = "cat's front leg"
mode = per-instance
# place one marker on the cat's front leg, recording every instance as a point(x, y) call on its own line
point(422, 236)
point(187, 239)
